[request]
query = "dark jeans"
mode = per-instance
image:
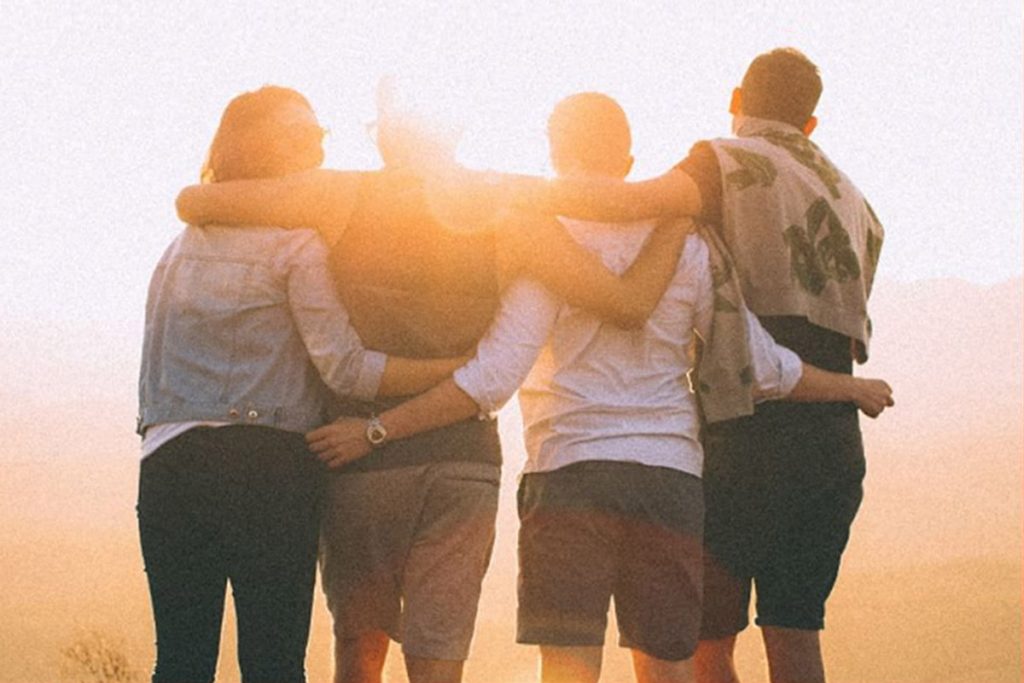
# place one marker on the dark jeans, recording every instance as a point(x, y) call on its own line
point(240, 504)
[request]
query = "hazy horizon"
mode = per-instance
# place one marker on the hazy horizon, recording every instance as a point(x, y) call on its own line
point(931, 584)
point(107, 110)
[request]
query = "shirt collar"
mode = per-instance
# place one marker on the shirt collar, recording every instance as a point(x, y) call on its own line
point(749, 126)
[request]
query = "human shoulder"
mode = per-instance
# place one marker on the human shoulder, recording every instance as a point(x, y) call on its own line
point(297, 247)
point(700, 160)
point(268, 245)
point(702, 166)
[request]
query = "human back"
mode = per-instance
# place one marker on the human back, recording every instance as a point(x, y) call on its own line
point(798, 229)
point(599, 391)
point(222, 342)
point(414, 286)
point(233, 327)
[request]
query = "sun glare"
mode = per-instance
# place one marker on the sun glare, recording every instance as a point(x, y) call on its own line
point(498, 132)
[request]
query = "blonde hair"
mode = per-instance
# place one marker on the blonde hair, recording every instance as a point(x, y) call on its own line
point(264, 133)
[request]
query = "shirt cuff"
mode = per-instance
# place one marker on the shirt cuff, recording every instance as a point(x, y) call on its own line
point(370, 373)
point(470, 379)
point(776, 368)
point(791, 369)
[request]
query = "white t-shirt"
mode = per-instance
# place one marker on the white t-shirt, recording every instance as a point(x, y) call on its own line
point(598, 392)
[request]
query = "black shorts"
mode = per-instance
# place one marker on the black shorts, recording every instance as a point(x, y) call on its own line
point(597, 529)
point(781, 491)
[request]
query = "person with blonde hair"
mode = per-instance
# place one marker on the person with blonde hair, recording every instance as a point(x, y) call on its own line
point(244, 337)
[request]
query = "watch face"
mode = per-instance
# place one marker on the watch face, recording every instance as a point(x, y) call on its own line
point(375, 433)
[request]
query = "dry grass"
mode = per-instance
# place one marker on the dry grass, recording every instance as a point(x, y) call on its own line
point(93, 657)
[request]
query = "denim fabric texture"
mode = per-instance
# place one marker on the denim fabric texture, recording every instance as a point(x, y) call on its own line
point(244, 326)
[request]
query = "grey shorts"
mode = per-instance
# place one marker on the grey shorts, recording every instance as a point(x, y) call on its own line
point(594, 530)
point(404, 551)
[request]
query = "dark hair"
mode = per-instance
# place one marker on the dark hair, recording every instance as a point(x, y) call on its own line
point(782, 85)
point(264, 133)
point(589, 131)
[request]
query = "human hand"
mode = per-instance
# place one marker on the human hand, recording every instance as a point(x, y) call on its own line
point(872, 396)
point(339, 442)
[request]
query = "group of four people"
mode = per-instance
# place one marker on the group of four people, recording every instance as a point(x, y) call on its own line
point(256, 335)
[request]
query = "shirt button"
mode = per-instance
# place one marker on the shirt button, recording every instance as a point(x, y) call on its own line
point(252, 414)
point(233, 412)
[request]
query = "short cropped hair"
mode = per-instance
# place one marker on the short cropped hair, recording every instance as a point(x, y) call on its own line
point(589, 132)
point(781, 85)
point(262, 134)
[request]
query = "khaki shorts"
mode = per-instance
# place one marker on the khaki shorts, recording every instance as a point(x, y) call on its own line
point(405, 550)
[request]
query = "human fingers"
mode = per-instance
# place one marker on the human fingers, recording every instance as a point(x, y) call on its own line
point(344, 454)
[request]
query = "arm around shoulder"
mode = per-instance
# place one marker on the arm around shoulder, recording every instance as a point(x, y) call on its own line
point(320, 199)
point(609, 200)
point(542, 248)
point(333, 345)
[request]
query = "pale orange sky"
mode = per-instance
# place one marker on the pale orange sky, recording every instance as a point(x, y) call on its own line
point(107, 108)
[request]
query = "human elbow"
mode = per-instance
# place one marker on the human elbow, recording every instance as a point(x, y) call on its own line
point(631, 315)
point(183, 204)
point(631, 322)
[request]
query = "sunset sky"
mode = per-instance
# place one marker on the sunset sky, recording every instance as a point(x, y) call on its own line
point(108, 107)
point(107, 110)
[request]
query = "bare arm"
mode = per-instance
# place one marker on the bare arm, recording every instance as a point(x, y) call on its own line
point(440, 406)
point(345, 440)
point(408, 376)
point(872, 396)
point(603, 199)
point(503, 358)
point(780, 374)
point(318, 199)
point(334, 345)
point(541, 247)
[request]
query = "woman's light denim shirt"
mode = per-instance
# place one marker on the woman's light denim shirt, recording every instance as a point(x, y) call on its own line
point(244, 326)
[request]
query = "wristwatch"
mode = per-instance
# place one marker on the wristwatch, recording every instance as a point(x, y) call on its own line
point(376, 433)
